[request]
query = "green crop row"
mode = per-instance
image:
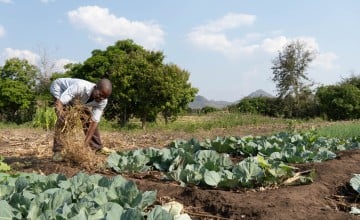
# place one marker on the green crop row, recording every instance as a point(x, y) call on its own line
point(33, 196)
point(266, 158)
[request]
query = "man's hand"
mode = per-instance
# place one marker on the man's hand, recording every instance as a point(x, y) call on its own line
point(90, 132)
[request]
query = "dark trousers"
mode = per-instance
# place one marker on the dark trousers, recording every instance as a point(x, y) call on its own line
point(95, 142)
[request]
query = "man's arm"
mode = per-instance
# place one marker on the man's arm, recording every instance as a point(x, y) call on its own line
point(95, 119)
point(90, 132)
point(59, 109)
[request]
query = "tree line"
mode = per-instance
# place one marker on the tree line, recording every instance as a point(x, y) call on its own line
point(296, 96)
point(145, 87)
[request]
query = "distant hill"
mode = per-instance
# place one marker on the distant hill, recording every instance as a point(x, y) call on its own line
point(201, 102)
point(259, 93)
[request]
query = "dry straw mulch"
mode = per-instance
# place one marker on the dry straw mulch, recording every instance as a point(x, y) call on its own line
point(73, 136)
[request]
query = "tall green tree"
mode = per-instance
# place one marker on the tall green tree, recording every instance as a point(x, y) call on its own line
point(289, 72)
point(147, 84)
point(17, 90)
point(141, 81)
point(289, 68)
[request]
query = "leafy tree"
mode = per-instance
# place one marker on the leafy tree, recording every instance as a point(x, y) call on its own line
point(17, 94)
point(289, 72)
point(141, 82)
point(289, 68)
point(176, 92)
point(339, 102)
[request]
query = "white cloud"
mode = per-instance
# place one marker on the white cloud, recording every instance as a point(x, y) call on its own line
point(212, 35)
point(60, 63)
point(106, 27)
point(325, 61)
point(310, 43)
point(229, 21)
point(33, 58)
point(217, 42)
point(324, 69)
point(6, 1)
point(273, 45)
point(2, 31)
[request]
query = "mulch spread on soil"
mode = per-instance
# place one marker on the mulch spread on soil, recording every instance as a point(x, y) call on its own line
point(329, 197)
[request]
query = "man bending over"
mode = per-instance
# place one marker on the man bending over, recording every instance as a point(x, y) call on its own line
point(93, 97)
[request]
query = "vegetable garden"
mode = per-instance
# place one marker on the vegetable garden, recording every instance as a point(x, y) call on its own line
point(285, 175)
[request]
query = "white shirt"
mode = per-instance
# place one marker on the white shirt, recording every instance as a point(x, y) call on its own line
point(67, 89)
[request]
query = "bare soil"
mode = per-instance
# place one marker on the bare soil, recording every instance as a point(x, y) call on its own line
point(328, 197)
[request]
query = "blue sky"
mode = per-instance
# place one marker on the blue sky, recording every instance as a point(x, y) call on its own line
point(227, 46)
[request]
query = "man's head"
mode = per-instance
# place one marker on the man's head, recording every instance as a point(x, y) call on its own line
point(102, 90)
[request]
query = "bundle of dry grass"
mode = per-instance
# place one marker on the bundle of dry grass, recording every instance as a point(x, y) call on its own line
point(72, 136)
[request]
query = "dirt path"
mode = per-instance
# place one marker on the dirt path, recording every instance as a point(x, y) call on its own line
point(328, 197)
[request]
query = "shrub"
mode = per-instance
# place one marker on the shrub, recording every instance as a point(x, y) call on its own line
point(252, 105)
point(339, 102)
point(208, 109)
point(45, 117)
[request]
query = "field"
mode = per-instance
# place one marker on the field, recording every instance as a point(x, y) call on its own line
point(329, 196)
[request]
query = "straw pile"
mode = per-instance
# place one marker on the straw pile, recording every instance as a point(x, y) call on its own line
point(73, 137)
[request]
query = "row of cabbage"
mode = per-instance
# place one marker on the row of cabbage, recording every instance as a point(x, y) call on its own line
point(266, 160)
point(34, 196)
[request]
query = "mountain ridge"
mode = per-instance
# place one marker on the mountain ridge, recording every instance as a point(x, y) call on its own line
point(259, 93)
point(201, 102)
